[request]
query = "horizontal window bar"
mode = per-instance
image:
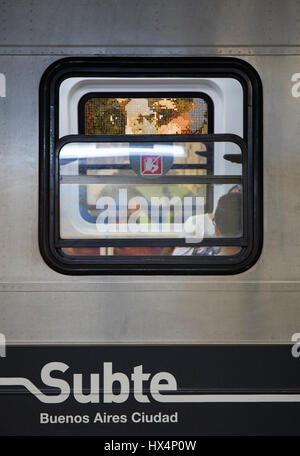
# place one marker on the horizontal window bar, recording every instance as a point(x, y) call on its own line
point(127, 166)
point(93, 179)
point(149, 242)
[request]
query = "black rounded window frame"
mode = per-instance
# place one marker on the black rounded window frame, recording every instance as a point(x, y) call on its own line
point(155, 67)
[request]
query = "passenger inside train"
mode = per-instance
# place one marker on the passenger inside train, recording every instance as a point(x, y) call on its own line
point(227, 222)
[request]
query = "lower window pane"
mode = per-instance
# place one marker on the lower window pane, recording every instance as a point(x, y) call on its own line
point(149, 211)
point(152, 251)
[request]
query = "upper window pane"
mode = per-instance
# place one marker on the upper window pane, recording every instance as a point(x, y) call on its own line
point(119, 116)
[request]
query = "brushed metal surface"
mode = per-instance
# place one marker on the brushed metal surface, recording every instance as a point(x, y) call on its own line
point(37, 304)
point(140, 22)
point(150, 317)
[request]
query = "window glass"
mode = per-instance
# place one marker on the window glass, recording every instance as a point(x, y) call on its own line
point(152, 193)
point(164, 115)
point(212, 251)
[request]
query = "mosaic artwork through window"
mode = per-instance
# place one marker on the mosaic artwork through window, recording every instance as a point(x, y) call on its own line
point(145, 116)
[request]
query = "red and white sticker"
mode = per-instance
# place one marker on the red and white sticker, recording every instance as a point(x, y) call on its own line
point(151, 165)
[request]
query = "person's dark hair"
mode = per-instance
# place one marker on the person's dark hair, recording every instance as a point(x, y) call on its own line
point(236, 189)
point(228, 217)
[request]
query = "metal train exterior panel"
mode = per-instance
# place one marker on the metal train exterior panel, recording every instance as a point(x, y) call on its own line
point(42, 307)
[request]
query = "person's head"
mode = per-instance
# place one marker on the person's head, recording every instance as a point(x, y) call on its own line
point(228, 216)
point(236, 189)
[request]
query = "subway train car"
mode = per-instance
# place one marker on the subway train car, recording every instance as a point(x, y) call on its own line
point(150, 273)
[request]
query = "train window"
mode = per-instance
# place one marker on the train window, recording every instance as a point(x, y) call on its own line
point(150, 166)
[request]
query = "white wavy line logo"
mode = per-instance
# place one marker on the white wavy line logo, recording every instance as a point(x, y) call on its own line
point(22, 381)
point(163, 398)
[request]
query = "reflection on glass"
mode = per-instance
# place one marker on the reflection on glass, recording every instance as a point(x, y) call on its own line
point(150, 251)
point(105, 186)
